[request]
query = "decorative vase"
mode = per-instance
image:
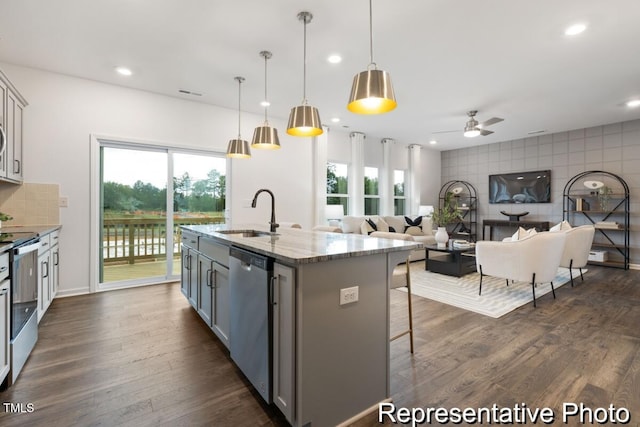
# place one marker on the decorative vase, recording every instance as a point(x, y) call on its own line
point(442, 237)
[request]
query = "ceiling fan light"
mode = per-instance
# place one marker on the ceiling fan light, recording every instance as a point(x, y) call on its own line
point(238, 149)
point(304, 120)
point(372, 93)
point(471, 133)
point(265, 137)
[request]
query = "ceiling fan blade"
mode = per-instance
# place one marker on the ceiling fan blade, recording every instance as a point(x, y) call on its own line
point(491, 121)
point(485, 132)
point(445, 131)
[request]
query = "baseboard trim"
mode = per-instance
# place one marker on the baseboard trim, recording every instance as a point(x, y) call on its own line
point(366, 413)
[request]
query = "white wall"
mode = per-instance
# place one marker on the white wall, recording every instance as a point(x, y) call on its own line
point(64, 111)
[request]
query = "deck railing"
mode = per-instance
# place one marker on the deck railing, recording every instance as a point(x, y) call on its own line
point(128, 240)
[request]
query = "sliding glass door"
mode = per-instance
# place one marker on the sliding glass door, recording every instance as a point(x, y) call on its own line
point(146, 193)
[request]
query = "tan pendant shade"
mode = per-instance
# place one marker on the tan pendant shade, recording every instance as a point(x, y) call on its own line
point(265, 137)
point(238, 149)
point(304, 120)
point(372, 93)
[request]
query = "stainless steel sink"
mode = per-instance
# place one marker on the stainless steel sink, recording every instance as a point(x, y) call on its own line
point(246, 233)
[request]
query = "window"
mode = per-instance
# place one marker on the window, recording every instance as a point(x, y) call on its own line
point(338, 185)
point(139, 231)
point(399, 198)
point(371, 194)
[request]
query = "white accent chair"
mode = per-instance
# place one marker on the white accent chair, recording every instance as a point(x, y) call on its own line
point(533, 259)
point(401, 278)
point(327, 229)
point(576, 248)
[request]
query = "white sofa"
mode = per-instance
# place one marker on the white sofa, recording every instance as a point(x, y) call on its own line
point(397, 224)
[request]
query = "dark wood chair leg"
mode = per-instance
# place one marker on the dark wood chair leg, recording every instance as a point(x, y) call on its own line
point(533, 289)
point(571, 272)
point(481, 275)
point(581, 276)
point(553, 291)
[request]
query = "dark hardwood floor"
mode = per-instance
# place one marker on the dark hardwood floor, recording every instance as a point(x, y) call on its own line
point(143, 357)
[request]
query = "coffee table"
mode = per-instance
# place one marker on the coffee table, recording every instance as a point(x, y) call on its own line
point(450, 261)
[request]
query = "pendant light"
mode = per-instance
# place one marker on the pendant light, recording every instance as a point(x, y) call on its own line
point(238, 148)
point(372, 92)
point(265, 136)
point(304, 119)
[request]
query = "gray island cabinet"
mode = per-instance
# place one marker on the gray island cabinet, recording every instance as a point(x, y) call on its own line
point(330, 361)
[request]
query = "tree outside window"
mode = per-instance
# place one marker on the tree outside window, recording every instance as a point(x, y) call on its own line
point(371, 193)
point(338, 185)
point(399, 197)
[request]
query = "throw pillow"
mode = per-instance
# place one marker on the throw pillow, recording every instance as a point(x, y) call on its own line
point(427, 226)
point(367, 227)
point(561, 226)
point(522, 233)
point(396, 223)
point(413, 226)
point(381, 225)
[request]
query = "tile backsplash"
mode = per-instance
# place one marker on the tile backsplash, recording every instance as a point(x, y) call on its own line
point(30, 204)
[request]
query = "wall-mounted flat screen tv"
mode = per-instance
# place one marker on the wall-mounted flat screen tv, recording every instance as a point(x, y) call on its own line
point(522, 187)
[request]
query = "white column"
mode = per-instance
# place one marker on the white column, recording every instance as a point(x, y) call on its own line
point(356, 174)
point(319, 154)
point(414, 179)
point(386, 178)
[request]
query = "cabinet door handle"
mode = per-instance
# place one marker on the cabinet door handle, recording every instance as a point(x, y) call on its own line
point(4, 291)
point(208, 277)
point(3, 140)
point(272, 290)
point(16, 163)
point(56, 255)
point(3, 269)
point(45, 272)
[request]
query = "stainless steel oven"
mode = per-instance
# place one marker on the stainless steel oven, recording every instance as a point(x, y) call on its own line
point(23, 273)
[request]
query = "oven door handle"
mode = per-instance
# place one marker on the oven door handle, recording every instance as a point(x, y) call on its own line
point(27, 248)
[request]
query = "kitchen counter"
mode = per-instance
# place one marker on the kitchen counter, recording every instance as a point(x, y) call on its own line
point(297, 246)
point(40, 230)
point(330, 352)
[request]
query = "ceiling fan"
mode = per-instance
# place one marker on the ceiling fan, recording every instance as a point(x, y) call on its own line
point(474, 128)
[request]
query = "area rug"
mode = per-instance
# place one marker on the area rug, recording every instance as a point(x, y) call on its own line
point(497, 298)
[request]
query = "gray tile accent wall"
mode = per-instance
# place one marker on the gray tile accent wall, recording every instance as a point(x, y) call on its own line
point(613, 148)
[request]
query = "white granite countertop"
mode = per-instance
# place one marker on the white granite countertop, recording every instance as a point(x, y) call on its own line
point(296, 246)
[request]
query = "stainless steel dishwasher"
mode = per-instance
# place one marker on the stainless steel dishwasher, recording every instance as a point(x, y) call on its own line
point(251, 318)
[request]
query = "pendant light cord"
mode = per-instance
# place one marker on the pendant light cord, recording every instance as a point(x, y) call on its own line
point(371, 63)
point(239, 98)
point(266, 100)
point(304, 65)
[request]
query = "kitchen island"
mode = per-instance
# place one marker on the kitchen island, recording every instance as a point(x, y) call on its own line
point(330, 361)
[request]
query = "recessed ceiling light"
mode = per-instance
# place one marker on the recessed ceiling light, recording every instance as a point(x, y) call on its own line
point(575, 29)
point(433, 142)
point(265, 103)
point(335, 119)
point(633, 103)
point(123, 71)
point(334, 59)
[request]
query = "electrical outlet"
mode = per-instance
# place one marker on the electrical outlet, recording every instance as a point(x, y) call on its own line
point(348, 295)
point(63, 202)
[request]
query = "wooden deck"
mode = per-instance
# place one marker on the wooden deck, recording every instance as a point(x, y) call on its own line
point(142, 269)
